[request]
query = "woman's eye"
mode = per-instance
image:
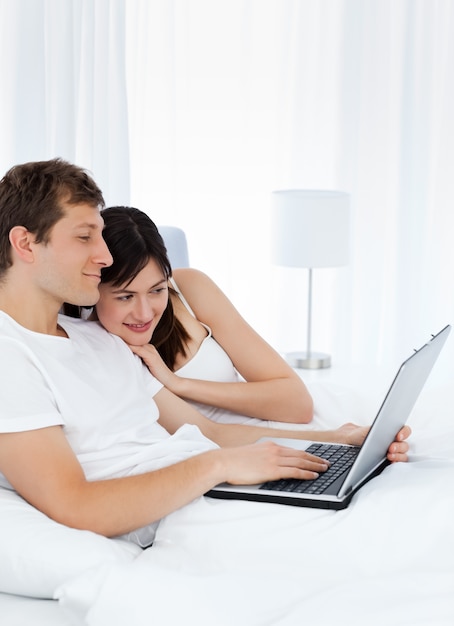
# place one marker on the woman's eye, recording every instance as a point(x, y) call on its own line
point(84, 237)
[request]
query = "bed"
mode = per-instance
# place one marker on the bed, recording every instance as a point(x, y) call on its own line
point(386, 559)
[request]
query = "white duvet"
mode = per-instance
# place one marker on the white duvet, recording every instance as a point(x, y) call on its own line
point(388, 559)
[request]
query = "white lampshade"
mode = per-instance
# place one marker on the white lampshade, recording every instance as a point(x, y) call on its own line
point(310, 228)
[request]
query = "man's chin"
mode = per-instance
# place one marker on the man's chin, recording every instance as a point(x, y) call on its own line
point(81, 304)
point(85, 300)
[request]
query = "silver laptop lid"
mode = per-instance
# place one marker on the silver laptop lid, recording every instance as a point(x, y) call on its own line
point(395, 409)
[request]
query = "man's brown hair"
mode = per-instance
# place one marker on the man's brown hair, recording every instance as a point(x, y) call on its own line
point(32, 195)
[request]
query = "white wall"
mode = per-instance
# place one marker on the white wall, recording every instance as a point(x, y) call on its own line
point(195, 111)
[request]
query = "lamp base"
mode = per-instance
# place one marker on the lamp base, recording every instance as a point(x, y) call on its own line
point(308, 361)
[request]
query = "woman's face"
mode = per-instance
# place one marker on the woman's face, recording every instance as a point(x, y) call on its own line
point(133, 311)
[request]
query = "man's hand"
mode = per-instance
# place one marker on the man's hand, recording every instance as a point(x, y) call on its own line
point(267, 460)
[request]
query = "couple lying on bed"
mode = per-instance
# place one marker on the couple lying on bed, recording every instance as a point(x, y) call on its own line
point(87, 434)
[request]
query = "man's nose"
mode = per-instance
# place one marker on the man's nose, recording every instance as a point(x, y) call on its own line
point(103, 256)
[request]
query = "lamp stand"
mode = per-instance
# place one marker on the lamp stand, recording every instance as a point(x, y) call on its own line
point(308, 360)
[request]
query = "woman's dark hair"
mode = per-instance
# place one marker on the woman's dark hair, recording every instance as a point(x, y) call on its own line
point(133, 239)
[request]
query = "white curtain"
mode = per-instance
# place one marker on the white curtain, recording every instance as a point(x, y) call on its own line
point(63, 87)
point(194, 111)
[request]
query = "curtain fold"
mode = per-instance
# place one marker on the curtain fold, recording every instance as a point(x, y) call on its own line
point(352, 95)
point(63, 87)
point(196, 111)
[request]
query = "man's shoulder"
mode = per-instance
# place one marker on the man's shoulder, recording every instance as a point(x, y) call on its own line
point(79, 329)
point(68, 322)
point(9, 328)
point(91, 332)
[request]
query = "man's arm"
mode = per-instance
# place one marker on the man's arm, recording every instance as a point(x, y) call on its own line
point(42, 467)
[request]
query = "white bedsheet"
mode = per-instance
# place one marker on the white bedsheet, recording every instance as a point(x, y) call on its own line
point(387, 559)
point(20, 611)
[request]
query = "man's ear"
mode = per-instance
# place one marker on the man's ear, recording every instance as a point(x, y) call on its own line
point(21, 240)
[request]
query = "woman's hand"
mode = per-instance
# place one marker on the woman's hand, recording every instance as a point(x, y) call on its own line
point(270, 461)
point(355, 435)
point(397, 451)
point(152, 359)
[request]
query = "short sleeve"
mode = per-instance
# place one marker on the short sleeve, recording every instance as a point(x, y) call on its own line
point(26, 398)
point(151, 383)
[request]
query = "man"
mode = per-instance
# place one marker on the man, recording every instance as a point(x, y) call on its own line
point(87, 435)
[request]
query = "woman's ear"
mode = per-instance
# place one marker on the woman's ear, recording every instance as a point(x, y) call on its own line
point(20, 239)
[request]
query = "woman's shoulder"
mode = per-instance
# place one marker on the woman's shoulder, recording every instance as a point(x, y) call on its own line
point(191, 282)
point(188, 275)
point(204, 297)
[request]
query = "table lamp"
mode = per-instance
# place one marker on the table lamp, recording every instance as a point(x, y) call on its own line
point(310, 229)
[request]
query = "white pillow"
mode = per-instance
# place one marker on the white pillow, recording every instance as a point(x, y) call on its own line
point(37, 554)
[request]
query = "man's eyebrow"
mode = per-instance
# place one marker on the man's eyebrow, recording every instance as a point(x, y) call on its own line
point(91, 225)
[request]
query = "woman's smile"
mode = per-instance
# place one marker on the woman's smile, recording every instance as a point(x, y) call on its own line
point(133, 310)
point(139, 328)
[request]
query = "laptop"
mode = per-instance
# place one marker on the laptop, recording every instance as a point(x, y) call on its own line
point(335, 488)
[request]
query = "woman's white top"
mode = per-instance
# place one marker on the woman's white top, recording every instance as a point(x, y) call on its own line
point(211, 362)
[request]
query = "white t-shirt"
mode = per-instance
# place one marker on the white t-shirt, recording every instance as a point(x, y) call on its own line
point(95, 388)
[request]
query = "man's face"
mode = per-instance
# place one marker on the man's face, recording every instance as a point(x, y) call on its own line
point(69, 265)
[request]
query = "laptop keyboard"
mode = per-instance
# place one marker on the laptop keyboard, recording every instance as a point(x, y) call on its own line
point(341, 459)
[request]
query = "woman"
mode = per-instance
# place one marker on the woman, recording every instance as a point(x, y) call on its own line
point(188, 333)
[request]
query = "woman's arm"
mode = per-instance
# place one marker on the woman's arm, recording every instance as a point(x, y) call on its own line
point(273, 390)
point(174, 412)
